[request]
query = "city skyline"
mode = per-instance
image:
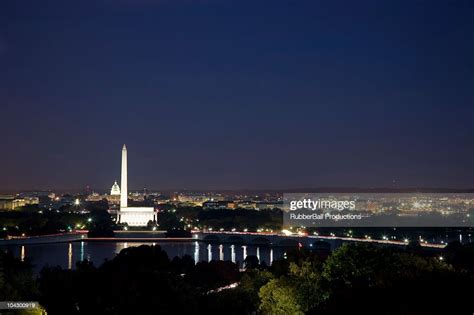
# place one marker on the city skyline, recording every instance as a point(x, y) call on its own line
point(237, 157)
point(224, 95)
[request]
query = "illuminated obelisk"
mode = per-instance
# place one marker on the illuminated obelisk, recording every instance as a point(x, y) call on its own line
point(133, 216)
point(124, 179)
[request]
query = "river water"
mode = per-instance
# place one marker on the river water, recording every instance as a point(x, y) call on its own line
point(67, 254)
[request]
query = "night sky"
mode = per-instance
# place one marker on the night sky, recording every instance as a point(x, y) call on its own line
point(237, 94)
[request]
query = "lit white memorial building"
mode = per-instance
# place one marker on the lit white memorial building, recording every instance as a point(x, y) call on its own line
point(133, 216)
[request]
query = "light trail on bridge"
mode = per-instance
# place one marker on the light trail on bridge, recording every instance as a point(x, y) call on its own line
point(317, 237)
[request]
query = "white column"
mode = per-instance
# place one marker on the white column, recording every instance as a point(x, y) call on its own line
point(124, 188)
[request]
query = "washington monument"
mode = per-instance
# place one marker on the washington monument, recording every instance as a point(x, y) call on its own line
point(133, 216)
point(124, 179)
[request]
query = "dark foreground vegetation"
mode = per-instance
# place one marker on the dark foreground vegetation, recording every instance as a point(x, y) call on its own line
point(355, 279)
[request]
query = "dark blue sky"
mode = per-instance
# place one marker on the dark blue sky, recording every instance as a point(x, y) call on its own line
point(237, 94)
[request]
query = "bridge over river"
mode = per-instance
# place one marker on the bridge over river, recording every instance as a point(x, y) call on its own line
point(280, 239)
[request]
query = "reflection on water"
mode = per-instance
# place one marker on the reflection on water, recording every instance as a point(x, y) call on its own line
point(196, 252)
point(232, 254)
point(67, 254)
point(69, 257)
point(209, 252)
point(221, 252)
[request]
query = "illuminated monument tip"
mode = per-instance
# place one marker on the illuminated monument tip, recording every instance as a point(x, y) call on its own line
point(133, 216)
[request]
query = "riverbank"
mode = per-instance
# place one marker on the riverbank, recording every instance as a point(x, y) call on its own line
point(45, 239)
point(120, 236)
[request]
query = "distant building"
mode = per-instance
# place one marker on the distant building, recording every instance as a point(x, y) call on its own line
point(58, 202)
point(111, 199)
point(136, 196)
point(10, 202)
point(269, 205)
point(115, 190)
point(216, 204)
point(94, 197)
point(251, 205)
point(192, 199)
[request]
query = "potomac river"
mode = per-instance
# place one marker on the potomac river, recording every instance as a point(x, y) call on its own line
point(67, 252)
point(66, 249)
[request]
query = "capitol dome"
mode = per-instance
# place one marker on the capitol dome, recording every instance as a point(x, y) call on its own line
point(115, 190)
